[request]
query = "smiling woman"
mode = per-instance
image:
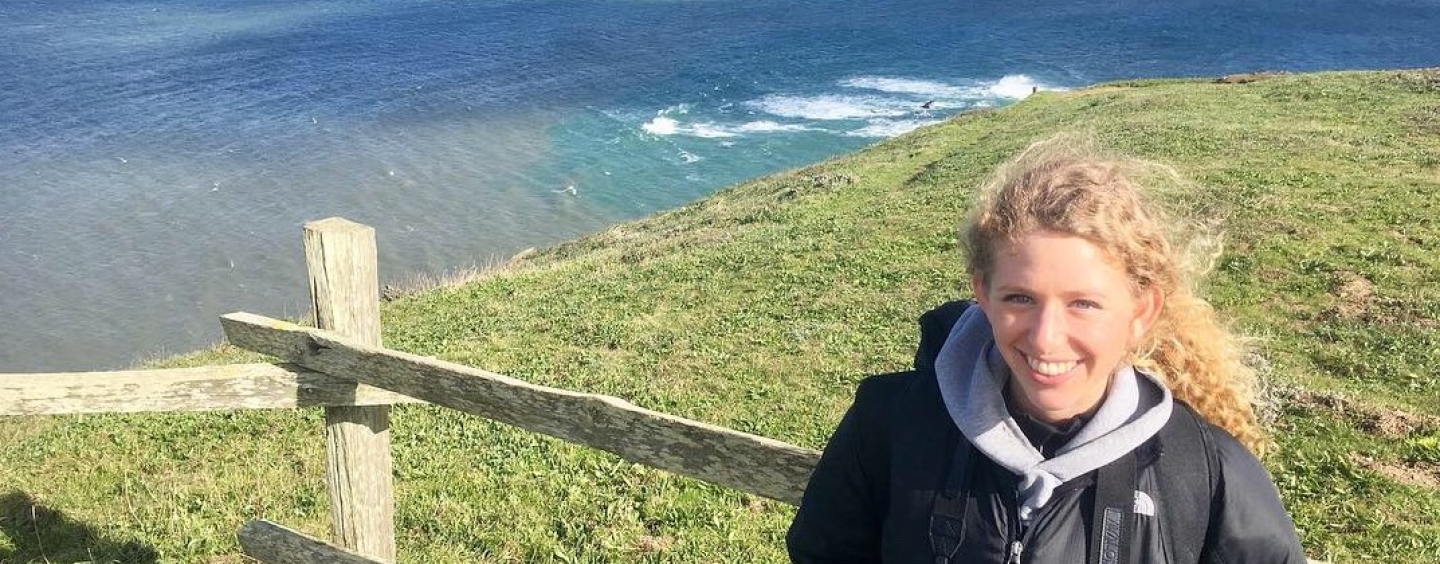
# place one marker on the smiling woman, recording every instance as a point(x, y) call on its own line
point(1109, 410)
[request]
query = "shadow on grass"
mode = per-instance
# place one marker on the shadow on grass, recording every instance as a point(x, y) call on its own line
point(40, 534)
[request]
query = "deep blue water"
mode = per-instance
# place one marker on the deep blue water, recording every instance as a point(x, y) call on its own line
point(157, 159)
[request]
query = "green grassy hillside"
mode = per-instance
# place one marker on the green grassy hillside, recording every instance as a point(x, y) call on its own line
point(760, 308)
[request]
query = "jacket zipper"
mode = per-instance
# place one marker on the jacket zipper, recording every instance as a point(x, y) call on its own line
point(1017, 531)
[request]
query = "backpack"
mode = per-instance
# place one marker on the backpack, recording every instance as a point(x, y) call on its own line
point(1186, 475)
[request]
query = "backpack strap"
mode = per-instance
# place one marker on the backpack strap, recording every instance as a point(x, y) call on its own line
point(947, 513)
point(1187, 479)
point(1113, 522)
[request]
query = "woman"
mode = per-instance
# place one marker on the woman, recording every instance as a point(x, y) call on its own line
point(1089, 408)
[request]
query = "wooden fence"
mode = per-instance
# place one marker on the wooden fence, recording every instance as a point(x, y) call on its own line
point(342, 367)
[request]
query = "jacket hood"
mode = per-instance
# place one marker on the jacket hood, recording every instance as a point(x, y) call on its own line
point(935, 326)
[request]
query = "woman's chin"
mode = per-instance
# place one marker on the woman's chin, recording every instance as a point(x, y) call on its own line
point(1050, 397)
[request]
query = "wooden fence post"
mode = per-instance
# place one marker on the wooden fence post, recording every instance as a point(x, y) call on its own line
point(340, 258)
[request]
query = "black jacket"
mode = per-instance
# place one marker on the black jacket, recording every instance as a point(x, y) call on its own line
point(872, 497)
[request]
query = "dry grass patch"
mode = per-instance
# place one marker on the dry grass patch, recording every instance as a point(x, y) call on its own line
point(229, 559)
point(651, 544)
point(1426, 119)
point(425, 282)
point(1376, 420)
point(1357, 295)
point(1418, 474)
point(1424, 79)
point(1247, 77)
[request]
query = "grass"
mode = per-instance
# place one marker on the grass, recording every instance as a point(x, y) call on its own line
point(759, 308)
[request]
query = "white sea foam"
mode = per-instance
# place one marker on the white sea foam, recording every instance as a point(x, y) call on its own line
point(890, 127)
point(708, 131)
point(767, 126)
point(661, 125)
point(832, 106)
point(906, 86)
point(1014, 87)
point(892, 106)
point(1010, 86)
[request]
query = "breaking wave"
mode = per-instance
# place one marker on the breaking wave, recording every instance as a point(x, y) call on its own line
point(859, 106)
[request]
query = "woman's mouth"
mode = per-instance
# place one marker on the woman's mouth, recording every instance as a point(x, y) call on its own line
point(1050, 368)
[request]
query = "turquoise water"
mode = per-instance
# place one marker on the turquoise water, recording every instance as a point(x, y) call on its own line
point(157, 159)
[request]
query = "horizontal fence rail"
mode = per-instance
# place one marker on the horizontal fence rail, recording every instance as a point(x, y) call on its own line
point(742, 461)
point(206, 388)
point(274, 544)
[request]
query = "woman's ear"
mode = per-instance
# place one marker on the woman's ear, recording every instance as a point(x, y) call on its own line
point(1147, 311)
point(977, 287)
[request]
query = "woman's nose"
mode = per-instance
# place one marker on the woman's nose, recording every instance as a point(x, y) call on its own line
point(1047, 330)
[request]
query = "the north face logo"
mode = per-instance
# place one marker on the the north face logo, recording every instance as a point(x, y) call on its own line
point(1143, 504)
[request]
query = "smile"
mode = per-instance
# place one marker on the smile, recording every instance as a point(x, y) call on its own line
point(1050, 368)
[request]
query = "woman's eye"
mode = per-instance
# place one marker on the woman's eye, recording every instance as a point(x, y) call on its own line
point(1086, 304)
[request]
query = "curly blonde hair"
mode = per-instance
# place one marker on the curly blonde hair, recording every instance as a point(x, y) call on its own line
point(1065, 185)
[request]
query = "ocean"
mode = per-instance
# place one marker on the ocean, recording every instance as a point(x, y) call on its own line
point(158, 158)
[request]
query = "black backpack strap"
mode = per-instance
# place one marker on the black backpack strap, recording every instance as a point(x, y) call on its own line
point(1187, 479)
point(947, 514)
point(1113, 524)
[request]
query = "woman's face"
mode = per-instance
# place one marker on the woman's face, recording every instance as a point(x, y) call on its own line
point(1064, 317)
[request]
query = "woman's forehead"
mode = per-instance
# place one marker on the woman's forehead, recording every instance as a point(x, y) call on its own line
point(1057, 261)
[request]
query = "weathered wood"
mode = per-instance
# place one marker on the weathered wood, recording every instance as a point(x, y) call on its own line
point(274, 544)
point(340, 259)
point(206, 388)
point(742, 461)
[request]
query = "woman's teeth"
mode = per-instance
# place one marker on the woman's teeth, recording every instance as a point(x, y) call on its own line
point(1050, 368)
